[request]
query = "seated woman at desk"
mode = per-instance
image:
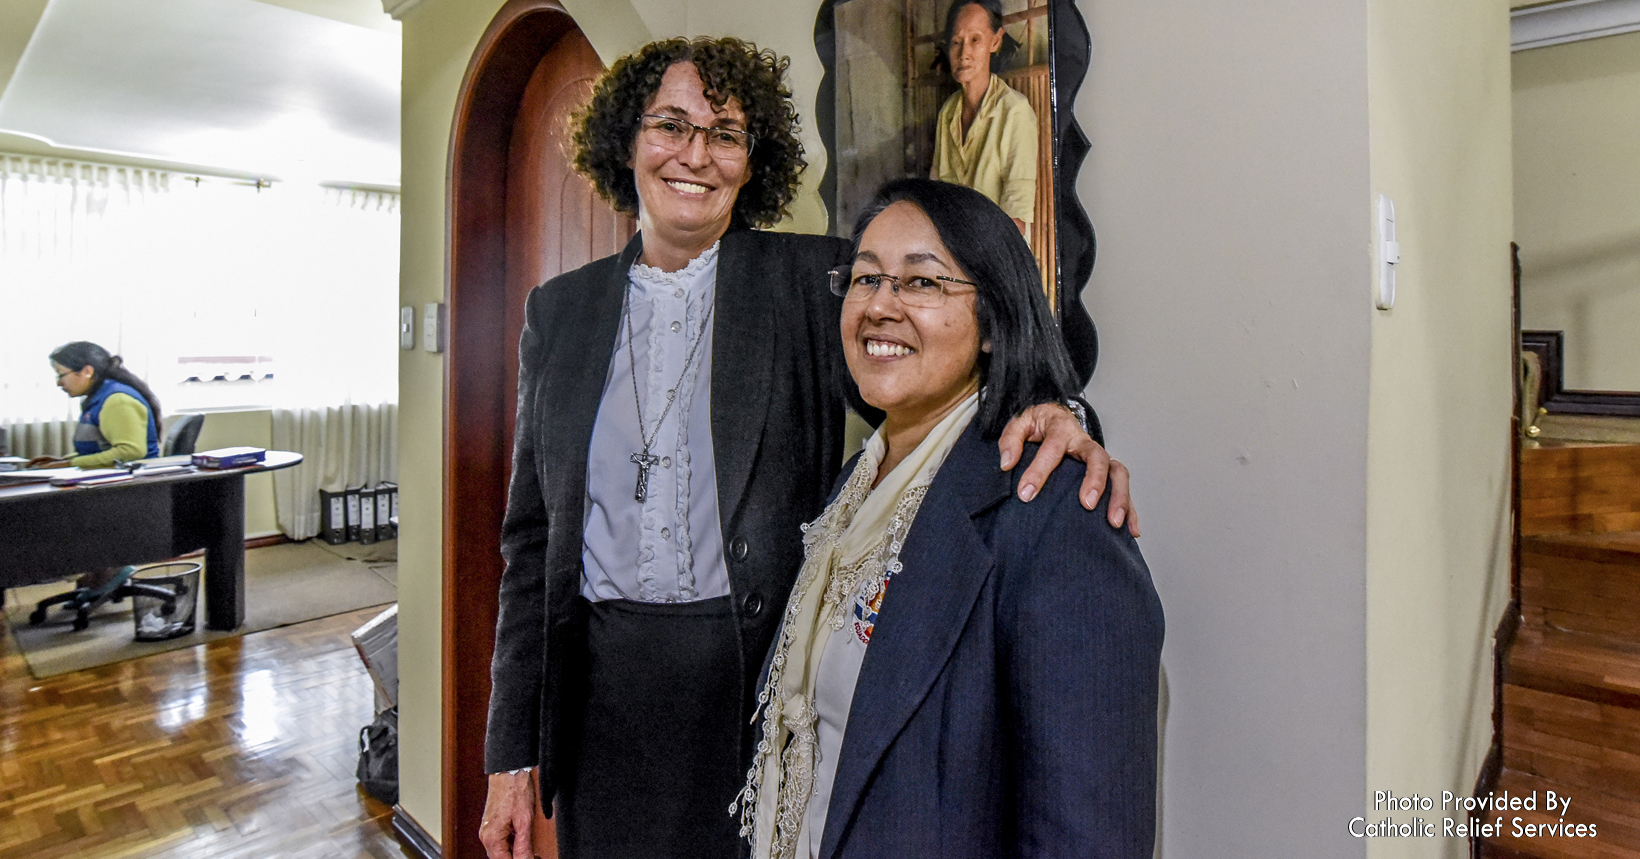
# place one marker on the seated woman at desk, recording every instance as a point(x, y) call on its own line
point(958, 674)
point(119, 415)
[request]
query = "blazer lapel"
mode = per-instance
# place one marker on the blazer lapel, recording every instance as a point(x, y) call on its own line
point(742, 368)
point(945, 564)
point(571, 391)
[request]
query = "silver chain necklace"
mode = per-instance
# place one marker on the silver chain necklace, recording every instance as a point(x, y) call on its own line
point(646, 460)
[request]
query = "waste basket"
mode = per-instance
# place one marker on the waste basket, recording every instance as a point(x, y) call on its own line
point(164, 601)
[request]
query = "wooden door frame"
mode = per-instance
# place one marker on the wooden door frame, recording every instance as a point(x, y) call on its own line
point(476, 419)
point(1503, 638)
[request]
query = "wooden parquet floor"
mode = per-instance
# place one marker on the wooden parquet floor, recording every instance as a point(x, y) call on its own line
point(243, 747)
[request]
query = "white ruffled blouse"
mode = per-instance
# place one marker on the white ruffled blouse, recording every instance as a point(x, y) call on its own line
point(668, 548)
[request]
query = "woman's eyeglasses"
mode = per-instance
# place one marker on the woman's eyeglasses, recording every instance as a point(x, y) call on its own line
point(913, 290)
point(671, 133)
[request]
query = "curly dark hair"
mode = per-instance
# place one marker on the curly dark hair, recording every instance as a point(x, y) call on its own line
point(606, 127)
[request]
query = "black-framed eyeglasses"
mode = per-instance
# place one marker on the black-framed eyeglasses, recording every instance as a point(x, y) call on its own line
point(670, 132)
point(914, 290)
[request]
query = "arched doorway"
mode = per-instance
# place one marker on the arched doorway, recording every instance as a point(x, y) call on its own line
point(517, 215)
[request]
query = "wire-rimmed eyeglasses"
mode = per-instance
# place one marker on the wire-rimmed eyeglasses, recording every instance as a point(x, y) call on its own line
point(672, 133)
point(914, 290)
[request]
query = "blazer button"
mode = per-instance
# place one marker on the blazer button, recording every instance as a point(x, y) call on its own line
point(754, 605)
point(737, 548)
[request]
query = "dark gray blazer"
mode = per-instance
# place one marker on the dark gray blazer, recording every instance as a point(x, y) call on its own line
point(779, 395)
point(1007, 704)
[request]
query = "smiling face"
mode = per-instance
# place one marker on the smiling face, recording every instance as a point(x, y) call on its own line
point(686, 196)
point(915, 363)
point(972, 44)
point(73, 382)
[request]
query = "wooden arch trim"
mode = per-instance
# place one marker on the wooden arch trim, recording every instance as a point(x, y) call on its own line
point(477, 393)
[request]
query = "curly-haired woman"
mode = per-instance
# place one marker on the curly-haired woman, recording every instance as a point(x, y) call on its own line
point(680, 414)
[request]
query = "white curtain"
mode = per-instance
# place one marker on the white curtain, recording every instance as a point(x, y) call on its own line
point(287, 293)
point(38, 438)
point(68, 232)
point(342, 447)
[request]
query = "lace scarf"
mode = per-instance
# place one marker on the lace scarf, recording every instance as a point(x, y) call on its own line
point(848, 550)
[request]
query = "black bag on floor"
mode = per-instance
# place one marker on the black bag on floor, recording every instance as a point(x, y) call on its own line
point(379, 757)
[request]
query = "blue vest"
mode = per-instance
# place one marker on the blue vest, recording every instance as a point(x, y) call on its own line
point(88, 439)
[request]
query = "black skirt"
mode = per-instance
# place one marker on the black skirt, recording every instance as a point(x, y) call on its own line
point(656, 747)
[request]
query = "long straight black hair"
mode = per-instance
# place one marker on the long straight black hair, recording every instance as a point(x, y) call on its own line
point(83, 353)
point(1027, 363)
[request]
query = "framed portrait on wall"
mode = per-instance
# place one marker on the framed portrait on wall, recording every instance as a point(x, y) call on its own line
point(976, 92)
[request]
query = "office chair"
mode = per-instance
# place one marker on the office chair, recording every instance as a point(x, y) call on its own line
point(82, 601)
point(179, 439)
point(182, 435)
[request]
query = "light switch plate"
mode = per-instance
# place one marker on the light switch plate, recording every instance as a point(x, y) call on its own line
point(407, 328)
point(1389, 253)
point(432, 328)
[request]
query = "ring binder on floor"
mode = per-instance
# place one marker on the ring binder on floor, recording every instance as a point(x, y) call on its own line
point(367, 515)
point(352, 514)
point(333, 517)
point(384, 510)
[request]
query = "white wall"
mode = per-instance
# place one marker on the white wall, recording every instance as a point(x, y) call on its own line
point(1227, 185)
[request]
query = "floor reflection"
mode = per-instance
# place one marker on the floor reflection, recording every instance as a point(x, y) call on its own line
point(243, 747)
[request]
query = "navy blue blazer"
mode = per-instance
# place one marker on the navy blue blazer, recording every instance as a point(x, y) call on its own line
point(1007, 703)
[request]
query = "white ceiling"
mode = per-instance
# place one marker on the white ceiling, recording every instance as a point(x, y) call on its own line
point(292, 90)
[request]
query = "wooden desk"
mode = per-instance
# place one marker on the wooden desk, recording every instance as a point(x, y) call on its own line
point(52, 533)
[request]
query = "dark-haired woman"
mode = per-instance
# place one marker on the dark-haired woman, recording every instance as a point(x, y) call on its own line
point(985, 137)
point(958, 674)
point(680, 414)
point(119, 415)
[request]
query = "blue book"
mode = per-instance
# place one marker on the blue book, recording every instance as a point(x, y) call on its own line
point(230, 457)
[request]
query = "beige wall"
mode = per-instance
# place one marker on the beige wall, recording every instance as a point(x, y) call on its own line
point(1440, 399)
point(250, 428)
point(1236, 151)
point(439, 36)
point(18, 19)
point(1577, 203)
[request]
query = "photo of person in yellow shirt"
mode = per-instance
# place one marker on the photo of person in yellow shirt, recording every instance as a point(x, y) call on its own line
point(986, 135)
point(960, 91)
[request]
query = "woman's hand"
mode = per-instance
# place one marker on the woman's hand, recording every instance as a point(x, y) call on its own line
point(509, 809)
point(1061, 435)
point(48, 462)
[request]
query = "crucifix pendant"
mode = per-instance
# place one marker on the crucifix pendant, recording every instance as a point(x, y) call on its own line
point(644, 461)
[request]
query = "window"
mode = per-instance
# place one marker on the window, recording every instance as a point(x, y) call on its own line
point(218, 293)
